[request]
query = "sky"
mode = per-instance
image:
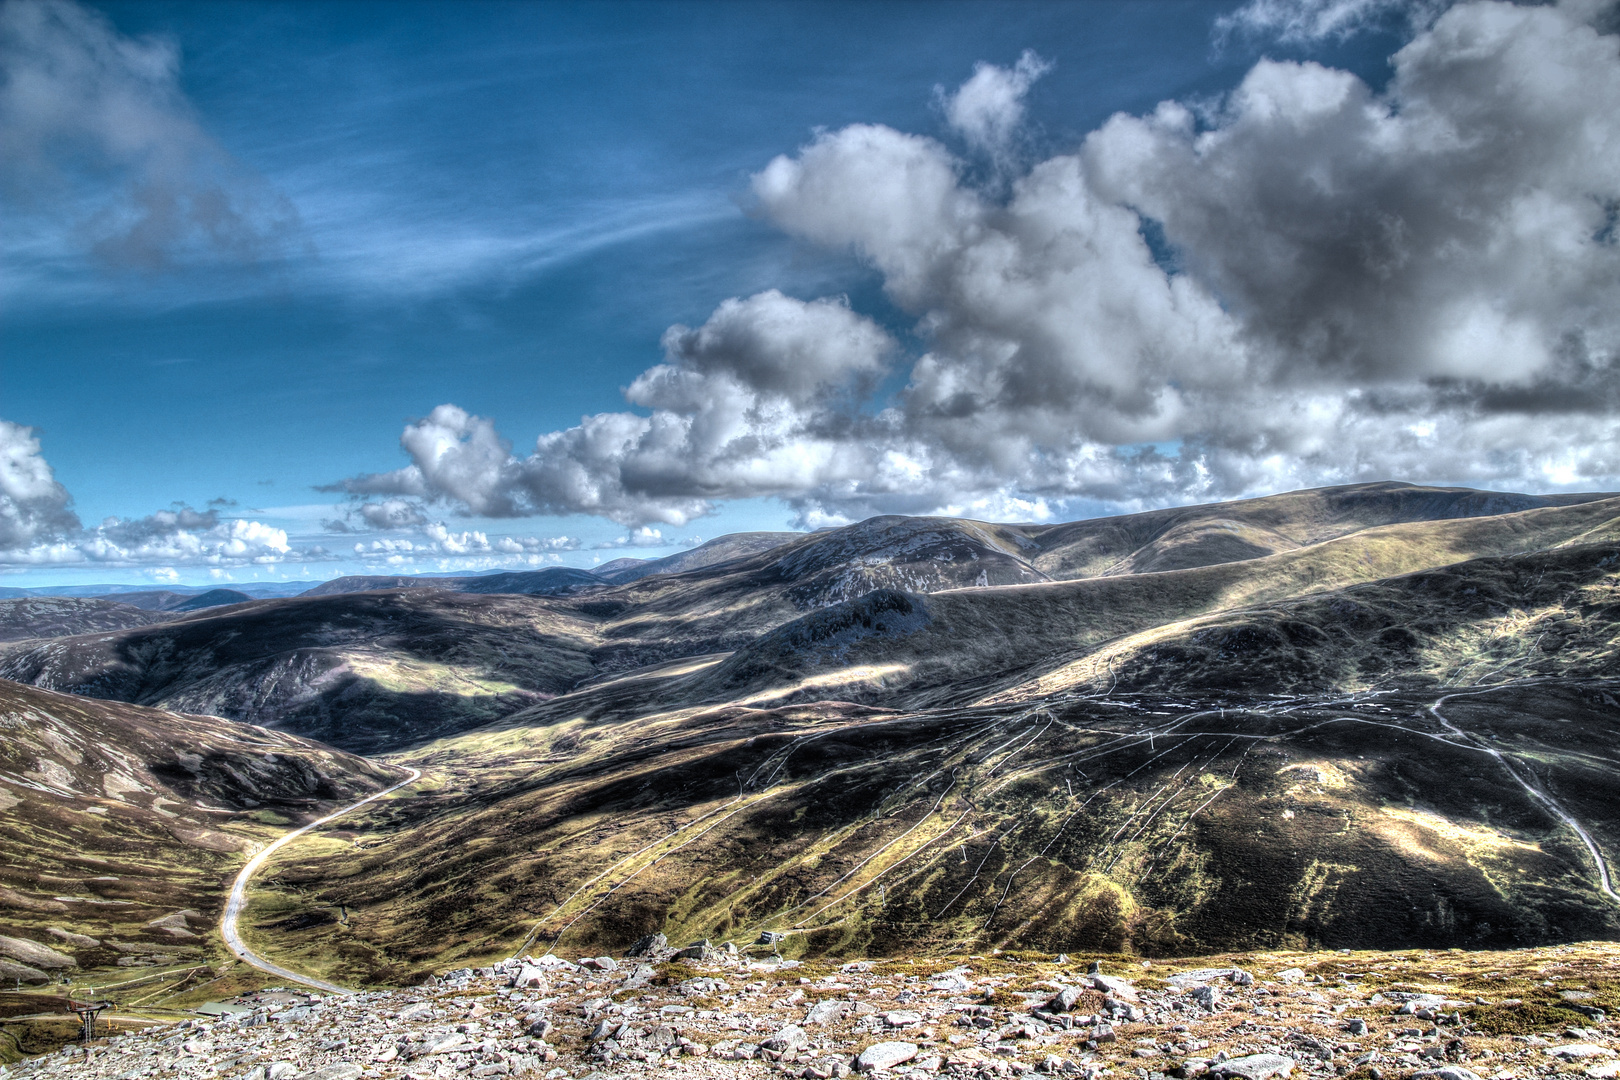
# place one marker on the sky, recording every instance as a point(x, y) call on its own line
point(307, 289)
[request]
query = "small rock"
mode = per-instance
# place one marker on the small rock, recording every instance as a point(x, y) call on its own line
point(791, 1037)
point(1065, 1001)
point(551, 960)
point(1420, 1003)
point(529, 977)
point(344, 1070)
point(1255, 1066)
point(1291, 975)
point(650, 945)
point(280, 1070)
point(1115, 987)
point(1578, 1051)
point(1449, 1072)
point(1207, 997)
point(698, 950)
point(443, 1044)
point(827, 1012)
point(769, 937)
point(902, 1018)
point(885, 1055)
point(1356, 1027)
point(599, 963)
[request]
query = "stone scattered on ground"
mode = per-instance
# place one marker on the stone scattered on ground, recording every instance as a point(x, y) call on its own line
point(708, 1011)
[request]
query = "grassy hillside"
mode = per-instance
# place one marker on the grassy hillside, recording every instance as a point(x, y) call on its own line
point(1148, 824)
point(955, 646)
point(378, 671)
point(121, 827)
point(363, 671)
point(1366, 717)
point(33, 617)
point(1478, 622)
point(1288, 794)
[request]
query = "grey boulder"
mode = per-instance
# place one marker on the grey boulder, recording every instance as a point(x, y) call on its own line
point(1255, 1066)
point(885, 1055)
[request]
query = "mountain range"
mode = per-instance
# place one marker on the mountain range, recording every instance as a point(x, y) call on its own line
point(1368, 716)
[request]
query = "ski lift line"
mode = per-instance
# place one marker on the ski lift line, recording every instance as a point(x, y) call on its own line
point(976, 870)
point(1003, 762)
point(993, 752)
point(1144, 826)
point(690, 840)
point(1162, 807)
point(946, 850)
point(554, 912)
point(761, 798)
point(1042, 854)
point(783, 753)
point(1173, 836)
point(856, 868)
point(941, 853)
point(1090, 753)
point(899, 862)
point(1113, 746)
point(1133, 815)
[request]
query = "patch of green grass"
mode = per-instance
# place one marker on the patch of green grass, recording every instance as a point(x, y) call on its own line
point(1525, 1018)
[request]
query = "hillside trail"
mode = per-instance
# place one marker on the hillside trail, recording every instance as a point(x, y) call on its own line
point(1605, 882)
point(238, 898)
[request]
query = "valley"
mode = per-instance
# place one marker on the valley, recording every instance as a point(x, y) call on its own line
point(1379, 717)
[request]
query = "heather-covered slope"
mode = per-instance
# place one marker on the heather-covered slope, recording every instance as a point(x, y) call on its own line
point(983, 794)
point(32, 617)
point(363, 671)
point(120, 827)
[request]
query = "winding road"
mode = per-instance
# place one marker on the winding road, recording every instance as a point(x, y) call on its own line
point(238, 897)
point(1604, 881)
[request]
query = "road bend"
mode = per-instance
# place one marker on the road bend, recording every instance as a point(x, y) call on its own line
point(1605, 881)
point(238, 898)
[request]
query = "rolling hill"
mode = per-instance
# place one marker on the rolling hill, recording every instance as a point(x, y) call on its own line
point(27, 618)
point(1400, 736)
point(366, 671)
point(1377, 716)
point(120, 827)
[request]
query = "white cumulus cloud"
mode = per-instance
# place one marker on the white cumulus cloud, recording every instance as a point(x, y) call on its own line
point(32, 504)
point(988, 109)
point(38, 528)
point(1420, 282)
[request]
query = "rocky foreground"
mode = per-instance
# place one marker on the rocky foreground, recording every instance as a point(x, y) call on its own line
point(707, 1012)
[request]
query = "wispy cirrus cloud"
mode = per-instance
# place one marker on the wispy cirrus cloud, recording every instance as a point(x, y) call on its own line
point(104, 157)
point(1301, 22)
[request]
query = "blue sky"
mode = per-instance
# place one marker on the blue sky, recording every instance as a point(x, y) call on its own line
point(368, 211)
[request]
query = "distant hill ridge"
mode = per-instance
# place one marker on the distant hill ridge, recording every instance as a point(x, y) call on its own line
point(1345, 717)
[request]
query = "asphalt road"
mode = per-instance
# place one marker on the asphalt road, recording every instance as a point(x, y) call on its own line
point(238, 898)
